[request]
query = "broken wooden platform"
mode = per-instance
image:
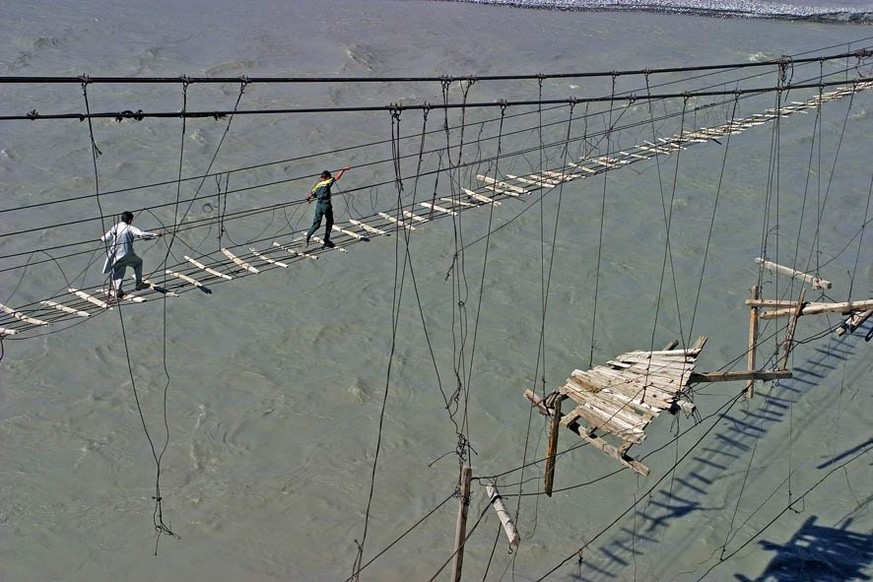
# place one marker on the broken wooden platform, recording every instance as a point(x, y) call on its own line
point(617, 401)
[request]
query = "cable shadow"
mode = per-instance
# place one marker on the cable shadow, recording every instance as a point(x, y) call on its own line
point(727, 447)
point(818, 553)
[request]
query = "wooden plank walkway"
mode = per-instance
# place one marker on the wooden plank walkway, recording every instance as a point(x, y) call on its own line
point(187, 276)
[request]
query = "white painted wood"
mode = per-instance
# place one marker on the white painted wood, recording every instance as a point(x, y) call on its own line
point(209, 270)
point(411, 215)
point(21, 317)
point(65, 309)
point(185, 278)
point(267, 259)
point(500, 184)
point(295, 253)
point(438, 207)
point(89, 298)
point(458, 202)
point(334, 248)
point(348, 232)
point(367, 227)
point(164, 291)
point(480, 197)
point(390, 218)
point(816, 282)
point(504, 515)
point(239, 261)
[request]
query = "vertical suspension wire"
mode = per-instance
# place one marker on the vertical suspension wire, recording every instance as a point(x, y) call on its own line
point(395, 315)
point(608, 135)
point(546, 286)
point(160, 527)
point(721, 174)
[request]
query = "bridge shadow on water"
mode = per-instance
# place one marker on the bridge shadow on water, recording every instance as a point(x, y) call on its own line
point(825, 553)
point(818, 554)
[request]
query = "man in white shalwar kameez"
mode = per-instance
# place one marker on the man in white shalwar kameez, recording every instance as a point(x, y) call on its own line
point(120, 255)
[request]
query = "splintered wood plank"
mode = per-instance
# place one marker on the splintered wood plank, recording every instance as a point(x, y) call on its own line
point(616, 454)
point(815, 281)
point(89, 298)
point(21, 317)
point(597, 421)
point(438, 207)
point(64, 308)
point(241, 263)
point(367, 227)
point(267, 259)
point(209, 270)
point(396, 221)
point(480, 197)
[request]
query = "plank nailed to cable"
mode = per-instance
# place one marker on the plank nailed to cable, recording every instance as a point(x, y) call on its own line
point(209, 270)
point(239, 261)
point(20, 316)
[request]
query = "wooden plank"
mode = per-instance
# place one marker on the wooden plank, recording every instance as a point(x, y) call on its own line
point(295, 253)
point(267, 259)
point(537, 183)
point(21, 317)
point(816, 282)
point(7, 331)
point(500, 184)
point(160, 289)
point(209, 270)
point(186, 278)
point(480, 197)
point(367, 227)
point(350, 233)
point(459, 202)
point(438, 207)
point(65, 309)
point(816, 308)
point(619, 456)
point(739, 375)
point(414, 217)
point(241, 263)
point(89, 298)
point(396, 221)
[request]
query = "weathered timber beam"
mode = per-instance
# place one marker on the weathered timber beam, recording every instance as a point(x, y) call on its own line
point(739, 375)
point(816, 282)
point(814, 308)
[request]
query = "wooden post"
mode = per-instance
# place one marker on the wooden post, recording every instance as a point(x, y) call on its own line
point(461, 525)
point(753, 340)
point(789, 335)
point(552, 447)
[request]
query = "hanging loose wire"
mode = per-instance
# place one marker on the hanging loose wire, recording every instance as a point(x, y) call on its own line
point(161, 528)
